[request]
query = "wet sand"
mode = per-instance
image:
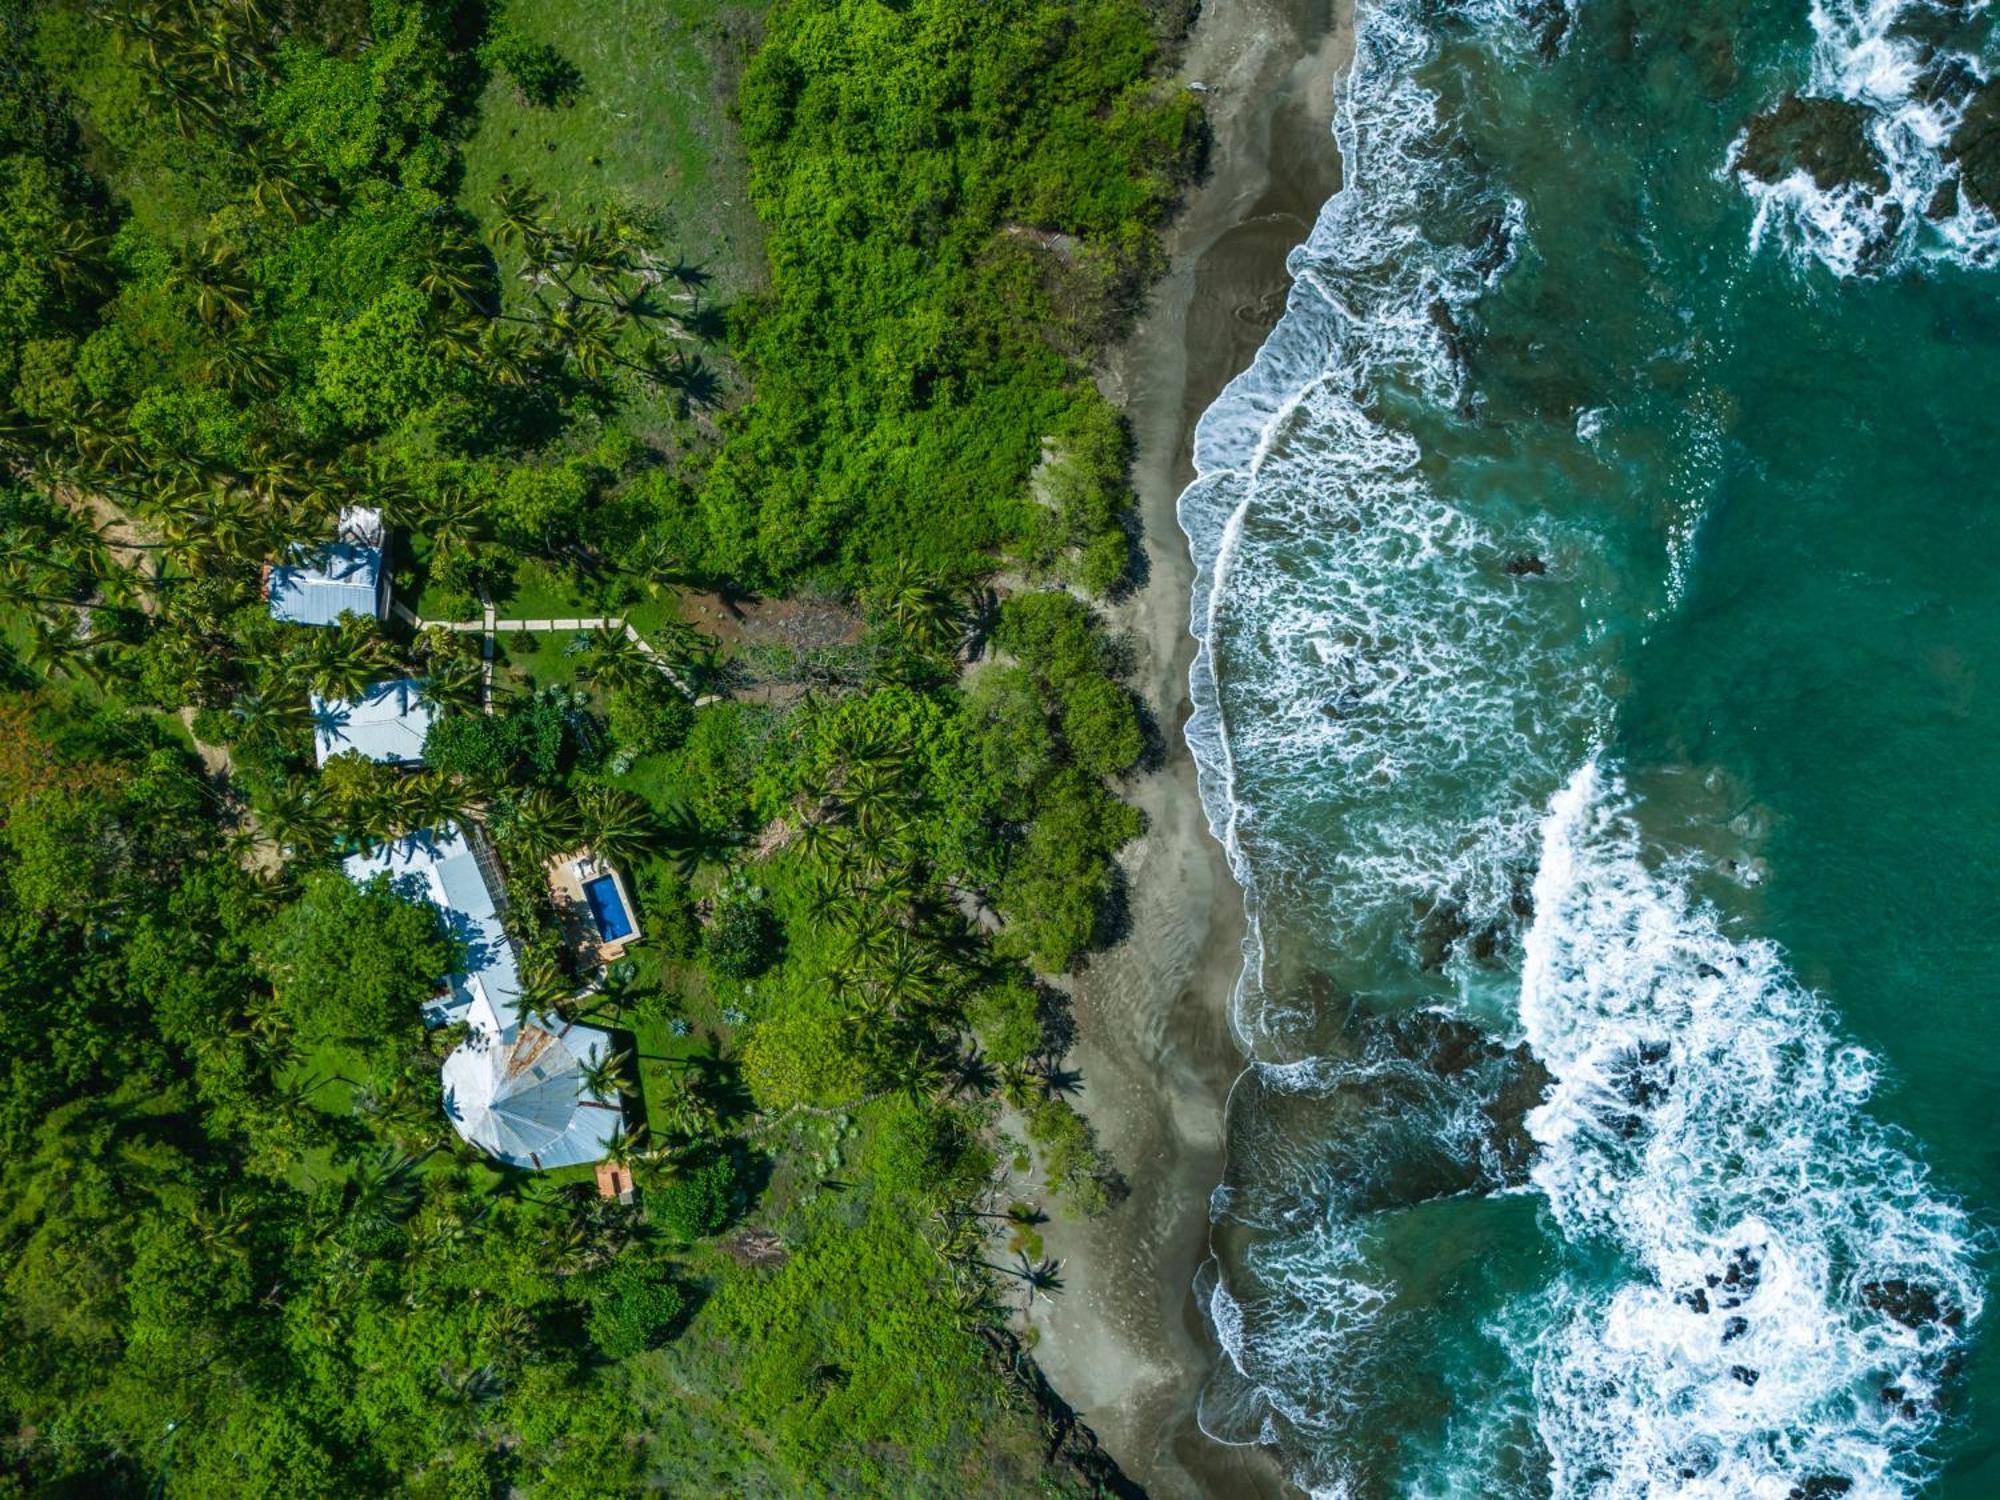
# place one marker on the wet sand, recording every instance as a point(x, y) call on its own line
point(1126, 1344)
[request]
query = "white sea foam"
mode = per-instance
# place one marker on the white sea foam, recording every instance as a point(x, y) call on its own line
point(1355, 612)
point(1915, 93)
point(1366, 670)
point(1795, 1282)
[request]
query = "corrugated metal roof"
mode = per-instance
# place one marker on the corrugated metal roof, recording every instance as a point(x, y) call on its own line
point(386, 723)
point(323, 581)
point(487, 992)
point(522, 1098)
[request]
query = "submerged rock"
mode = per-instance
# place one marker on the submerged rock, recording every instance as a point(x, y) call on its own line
point(1827, 138)
point(1911, 1303)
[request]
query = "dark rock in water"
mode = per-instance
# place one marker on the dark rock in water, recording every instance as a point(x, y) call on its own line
point(1828, 138)
point(1548, 23)
point(1910, 1303)
point(1821, 1487)
point(1745, 1374)
point(1525, 1086)
point(1975, 147)
point(1696, 1299)
point(1944, 202)
point(1708, 971)
point(1645, 1075)
point(1739, 1278)
point(1895, 1396)
point(1527, 565)
point(1696, 1461)
point(1734, 1327)
point(1443, 929)
point(1491, 245)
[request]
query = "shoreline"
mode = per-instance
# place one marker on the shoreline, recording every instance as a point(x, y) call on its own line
point(1127, 1347)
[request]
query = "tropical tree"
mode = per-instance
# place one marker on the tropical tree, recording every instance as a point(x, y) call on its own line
point(617, 825)
point(1041, 1278)
point(543, 822)
point(606, 1077)
point(617, 659)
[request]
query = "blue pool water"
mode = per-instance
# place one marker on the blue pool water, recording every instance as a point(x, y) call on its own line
point(602, 894)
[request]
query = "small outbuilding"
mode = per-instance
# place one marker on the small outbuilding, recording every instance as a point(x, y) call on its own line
point(320, 582)
point(388, 723)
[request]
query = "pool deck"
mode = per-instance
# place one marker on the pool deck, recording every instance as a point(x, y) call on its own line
point(567, 874)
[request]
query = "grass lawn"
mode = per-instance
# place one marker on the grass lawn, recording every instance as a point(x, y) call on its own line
point(650, 127)
point(648, 134)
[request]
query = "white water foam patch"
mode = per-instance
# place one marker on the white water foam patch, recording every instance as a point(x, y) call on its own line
point(1870, 53)
point(1357, 634)
point(1796, 1285)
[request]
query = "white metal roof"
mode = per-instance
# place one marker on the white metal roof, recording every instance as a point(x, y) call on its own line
point(487, 993)
point(386, 723)
point(521, 1097)
point(323, 581)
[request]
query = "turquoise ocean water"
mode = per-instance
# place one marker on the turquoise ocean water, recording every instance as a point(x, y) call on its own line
point(1600, 700)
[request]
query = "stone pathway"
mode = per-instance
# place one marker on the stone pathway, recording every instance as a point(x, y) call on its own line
point(488, 628)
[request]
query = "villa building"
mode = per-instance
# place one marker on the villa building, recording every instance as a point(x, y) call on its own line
point(323, 581)
point(388, 723)
point(516, 1086)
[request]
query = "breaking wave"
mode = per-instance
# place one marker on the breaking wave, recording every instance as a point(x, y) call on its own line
point(1921, 99)
point(1754, 1290)
point(1795, 1288)
point(1353, 611)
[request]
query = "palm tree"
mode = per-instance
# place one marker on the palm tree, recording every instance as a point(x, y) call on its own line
point(264, 715)
point(690, 1113)
point(605, 1078)
point(545, 988)
point(457, 269)
point(520, 216)
point(506, 355)
point(383, 1189)
point(452, 683)
point(661, 1163)
point(619, 661)
point(221, 289)
point(920, 607)
point(454, 517)
point(346, 660)
point(625, 1148)
point(617, 824)
point(544, 823)
point(294, 818)
point(1039, 1277)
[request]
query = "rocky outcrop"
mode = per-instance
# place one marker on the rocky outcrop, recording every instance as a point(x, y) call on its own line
point(1826, 138)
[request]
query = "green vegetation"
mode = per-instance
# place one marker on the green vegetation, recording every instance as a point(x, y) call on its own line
point(491, 272)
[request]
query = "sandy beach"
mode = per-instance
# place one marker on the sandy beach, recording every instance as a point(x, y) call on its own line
point(1126, 1344)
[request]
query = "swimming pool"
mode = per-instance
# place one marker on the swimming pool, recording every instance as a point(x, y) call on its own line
point(607, 908)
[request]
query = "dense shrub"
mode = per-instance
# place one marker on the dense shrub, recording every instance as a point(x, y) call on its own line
point(743, 936)
point(633, 1307)
point(650, 719)
point(911, 356)
point(542, 75)
point(696, 1204)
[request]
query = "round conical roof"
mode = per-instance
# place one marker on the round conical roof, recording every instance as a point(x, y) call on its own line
point(520, 1095)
